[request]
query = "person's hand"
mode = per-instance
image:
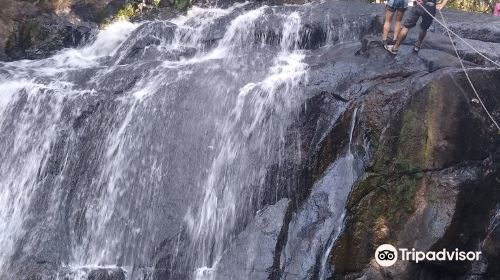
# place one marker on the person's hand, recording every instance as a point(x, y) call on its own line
point(420, 2)
point(439, 6)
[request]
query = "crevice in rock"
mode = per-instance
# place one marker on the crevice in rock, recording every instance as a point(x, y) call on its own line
point(336, 96)
point(276, 269)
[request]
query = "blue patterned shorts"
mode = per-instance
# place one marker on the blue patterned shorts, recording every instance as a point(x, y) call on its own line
point(400, 5)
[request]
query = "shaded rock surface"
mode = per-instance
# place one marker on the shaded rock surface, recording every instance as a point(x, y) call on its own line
point(252, 253)
point(103, 274)
point(37, 29)
point(315, 226)
point(429, 185)
point(43, 36)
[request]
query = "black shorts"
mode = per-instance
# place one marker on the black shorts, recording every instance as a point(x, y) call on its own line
point(418, 12)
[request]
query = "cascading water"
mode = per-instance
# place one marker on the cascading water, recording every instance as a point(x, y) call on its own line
point(252, 130)
point(156, 133)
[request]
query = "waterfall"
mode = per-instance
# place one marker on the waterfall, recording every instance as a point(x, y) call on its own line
point(350, 174)
point(248, 132)
point(322, 216)
point(155, 136)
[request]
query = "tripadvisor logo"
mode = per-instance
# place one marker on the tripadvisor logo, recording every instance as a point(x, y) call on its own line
point(387, 255)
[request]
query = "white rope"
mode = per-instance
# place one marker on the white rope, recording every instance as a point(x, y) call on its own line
point(449, 32)
point(443, 24)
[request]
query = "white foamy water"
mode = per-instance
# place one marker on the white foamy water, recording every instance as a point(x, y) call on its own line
point(155, 137)
point(107, 41)
point(212, 227)
point(24, 155)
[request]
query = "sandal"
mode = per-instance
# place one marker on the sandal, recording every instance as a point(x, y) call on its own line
point(390, 49)
point(388, 42)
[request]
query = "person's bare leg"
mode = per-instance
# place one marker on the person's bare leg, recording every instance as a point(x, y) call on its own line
point(387, 24)
point(401, 37)
point(421, 38)
point(397, 24)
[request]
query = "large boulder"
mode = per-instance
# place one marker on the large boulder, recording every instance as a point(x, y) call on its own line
point(431, 182)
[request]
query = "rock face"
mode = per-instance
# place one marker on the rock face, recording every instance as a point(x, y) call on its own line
point(102, 274)
point(425, 194)
point(255, 142)
point(252, 254)
point(431, 183)
point(37, 29)
point(43, 36)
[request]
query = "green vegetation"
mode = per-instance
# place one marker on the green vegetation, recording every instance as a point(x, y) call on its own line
point(481, 6)
point(126, 12)
point(383, 200)
point(387, 197)
point(130, 9)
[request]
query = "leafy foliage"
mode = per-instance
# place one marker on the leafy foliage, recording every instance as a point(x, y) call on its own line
point(126, 12)
point(482, 6)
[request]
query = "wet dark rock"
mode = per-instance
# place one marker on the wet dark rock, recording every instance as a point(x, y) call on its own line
point(96, 11)
point(106, 274)
point(414, 195)
point(150, 35)
point(313, 36)
point(43, 36)
point(317, 223)
point(252, 254)
point(482, 27)
point(491, 246)
point(439, 40)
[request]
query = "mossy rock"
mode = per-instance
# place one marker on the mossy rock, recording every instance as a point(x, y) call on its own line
point(379, 205)
point(424, 137)
point(27, 36)
point(182, 4)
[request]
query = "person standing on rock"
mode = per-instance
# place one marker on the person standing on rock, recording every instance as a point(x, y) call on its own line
point(422, 9)
point(397, 7)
